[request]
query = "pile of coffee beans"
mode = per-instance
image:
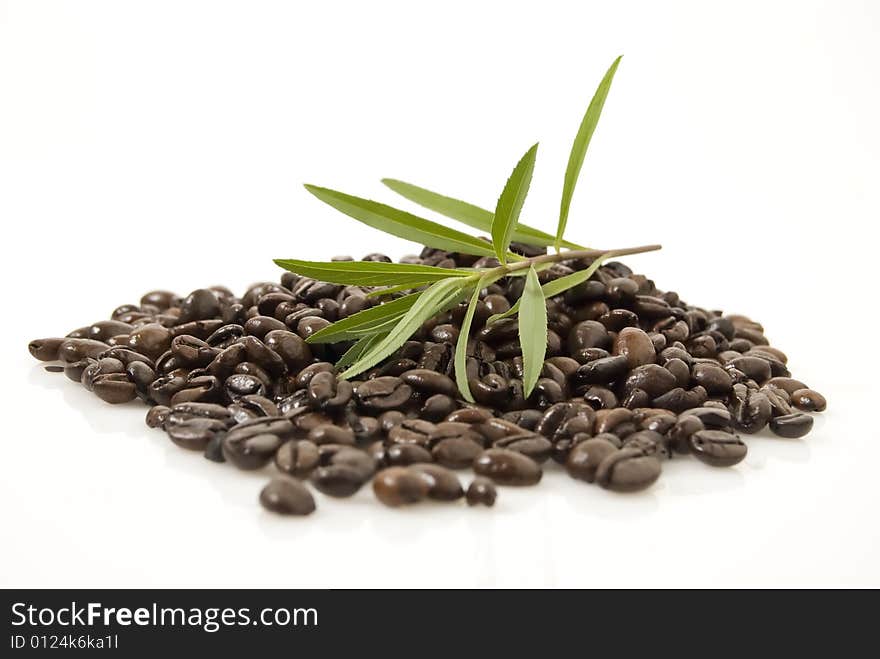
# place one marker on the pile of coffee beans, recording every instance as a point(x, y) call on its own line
point(633, 377)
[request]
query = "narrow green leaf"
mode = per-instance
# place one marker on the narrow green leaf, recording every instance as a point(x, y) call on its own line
point(364, 322)
point(461, 345)
point(557, 286)
point(440, 296)
point(510, 203)
point(532, 331)
point(402, 224)
point(370, 273)
point(358, 349)
point(473, 216)
point(579, 148)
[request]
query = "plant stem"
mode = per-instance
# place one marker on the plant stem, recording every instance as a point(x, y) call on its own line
point(503, 270)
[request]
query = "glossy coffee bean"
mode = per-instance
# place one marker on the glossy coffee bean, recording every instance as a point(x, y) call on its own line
point(792, 426)
point(507, 467)
point(383, 393)
point(328, 433)
point(635, 345)
point(327, 391)
point(481, 491)
point(297, 458)
point(114, 388)
point(251, 452)
point(717, 448)
point(407, 454)
point(399, 486)
point(287, 497)
point(584, 459)
point(201, 304)
point(74, 350)
point(808, 400)
point(628, 470)
point(651, 378)
point(193, 433)
point(157, 416)
point(530, 444)
point(443, 484)
point(750, 410)
point(45, 350)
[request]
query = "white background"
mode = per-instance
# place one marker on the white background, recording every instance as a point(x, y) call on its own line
point(164, 144)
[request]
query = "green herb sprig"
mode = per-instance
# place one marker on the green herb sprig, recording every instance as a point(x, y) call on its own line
point(380, 330)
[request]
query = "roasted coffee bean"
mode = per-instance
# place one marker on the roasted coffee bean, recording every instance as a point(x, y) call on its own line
point(443, 484)
point(430, 382)
point(628, 470)
point(164, 387)
point(651, 378)
point(295, 352)
point(287, 497)
point(601, 371)
point(259, 353)
point(507, 467)
point(470, 415)
point(383, 393)
point(297, 458)
point(201, 304)
point(455, 452)
point(584, 459)
point(713, 378)
point(114, 388)
point(712, 417)
point(481, 491)
point(193, 433)
point(634, 345)
point(327, 391)
point(399, 486)
point(437, 407)
point(407, 454)
point(260, 326)
point(74, 350)
point(203, 389)
point(412, 431)
point(717, 448)
point(532, 445)
point(756, 368)
point(789, 385)
point(327, 433)
point(250, 452)
point(792, 426)
point(808, 400)
point(157, 416)
point(751, 410)
point(600, 398)
point(780, 401)
point(588, 334)
point(239, 385)
point(45, 350)
point(649, 442)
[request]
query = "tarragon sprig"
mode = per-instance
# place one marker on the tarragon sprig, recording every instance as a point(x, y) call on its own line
point(380, 330)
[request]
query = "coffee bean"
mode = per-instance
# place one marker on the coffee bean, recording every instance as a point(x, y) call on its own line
point(45, 350)
point(327, 433)
point(601, 371)
point(193, 433)
point(627, 470)
point(201, 304)
point(297, 458)
point(287, 497)
point(789, 385)
point(530, 444)
point(507, 467)
point(114, 388)
point(443, 484)
point(407, 454)
point(649, 442)
point(717, 448)
point(635, 345)
point(584, 459)
point(653, 379)
point(712, 417)
point(456, 452)
point(157, 416)
point(383, 393)
point(481, 491)
point(792, 426)
point(751, 410)
point(713, 378)
point(399, 486)
point(74, 350)
point(808, 400)
point(327, 391)
point(250, 452)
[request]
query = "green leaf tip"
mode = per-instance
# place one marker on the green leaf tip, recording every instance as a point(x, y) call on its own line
point(579, 148)
point(511, 201)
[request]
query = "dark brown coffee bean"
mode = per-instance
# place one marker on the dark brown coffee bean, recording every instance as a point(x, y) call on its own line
point(751, 410)
point(157, 416)
point(74, 350)
point(412, 431)
point(600, 398)
point(327, 391)
point(114, 388)
point(456, 452)
point(481, 491)
point(712, 417)
point(754, 367)
point(430, 382)
point(251, 452)
point(399, 486)
point(471, 415)
point(792, 426)
point(588, 334)
point(584, 459)
point(601, 371)
point(443, 484)
point(193, 433)
point(339, 480)
point(46, 350)
point(383, 393)
point(259, 353)
point(718, 448)
point(628, 470)
point(297, 458)
point(201, 304)
point(651, 378)
point(287, 497)
point(789, 385)
point(507, 467)
point(327, 433)
point(407, 454)
point(648, 442)
point(713, 378)
point(635, 345)
point(808, 400)
point(530, 444)
point(260, 326)
point(295, 352)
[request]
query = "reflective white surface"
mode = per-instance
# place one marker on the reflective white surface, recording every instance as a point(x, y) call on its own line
point(165, 146)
